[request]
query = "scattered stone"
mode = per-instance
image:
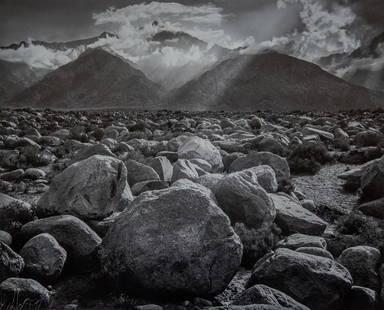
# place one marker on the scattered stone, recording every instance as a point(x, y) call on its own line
point(317, 282)
point(277, 163)
point(363, 263)
point(76, 237)
point(138, 172)
point(24, 294)
point(44, 257)
point(296, 241)
point(291, 217)
point(11, 264)
point(262, 294)
point(195, 147)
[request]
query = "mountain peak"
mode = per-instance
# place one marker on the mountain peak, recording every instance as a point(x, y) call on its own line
point(96, 80)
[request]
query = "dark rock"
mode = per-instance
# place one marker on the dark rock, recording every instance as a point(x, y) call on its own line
point(11, 264)
point(24, 294)
point(76, 237)
point(44, 257)
point(363, 263)
point(317, 282)
point(262, 294)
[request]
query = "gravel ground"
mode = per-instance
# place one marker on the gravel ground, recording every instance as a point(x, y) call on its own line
point(326, 190)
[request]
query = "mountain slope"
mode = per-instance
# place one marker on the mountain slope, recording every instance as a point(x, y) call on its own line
point(16, 76)
point(97, 79)
point(271, 81)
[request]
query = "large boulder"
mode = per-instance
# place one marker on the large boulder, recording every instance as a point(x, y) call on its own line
point(90, 189)
point(262, 294)
point(196, 147)
point(317, 282)
point(291, 217)
point(244, 200)
point(11, 264)
point(77, 238)
point(14, 212)
point(363, 264)
point(44, 257)
point(175, 241)
point(23, 294)
point(253, 159)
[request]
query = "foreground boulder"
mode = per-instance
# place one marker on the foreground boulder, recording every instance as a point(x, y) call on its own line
point(291, 217)
point(77, 238)
point(262, 294)
point(90, 189)
point(363, 264)
point(278, 164)
point(11, 264)
point(317, 282)
point(175, 241)
point(24, 294)
point(196, 147)
point(44, 257)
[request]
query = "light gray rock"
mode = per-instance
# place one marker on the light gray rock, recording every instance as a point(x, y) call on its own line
point(196, 147)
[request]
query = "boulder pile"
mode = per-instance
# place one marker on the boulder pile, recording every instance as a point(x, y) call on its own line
point(153, 210)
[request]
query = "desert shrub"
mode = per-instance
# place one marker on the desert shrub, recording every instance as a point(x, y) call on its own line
point(308, 157)
point(256, 243)
point(365, 230)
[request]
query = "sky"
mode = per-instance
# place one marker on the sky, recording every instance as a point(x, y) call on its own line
point(61, 20)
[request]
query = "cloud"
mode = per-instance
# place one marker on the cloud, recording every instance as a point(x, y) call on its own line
point(323, 30)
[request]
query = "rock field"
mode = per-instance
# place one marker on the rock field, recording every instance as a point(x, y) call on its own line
point(191, 210)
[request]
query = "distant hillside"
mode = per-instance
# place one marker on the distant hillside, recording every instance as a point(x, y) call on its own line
point(271, 81)
point(16, 76)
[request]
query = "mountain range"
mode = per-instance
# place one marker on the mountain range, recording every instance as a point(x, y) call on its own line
point(101, 79)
